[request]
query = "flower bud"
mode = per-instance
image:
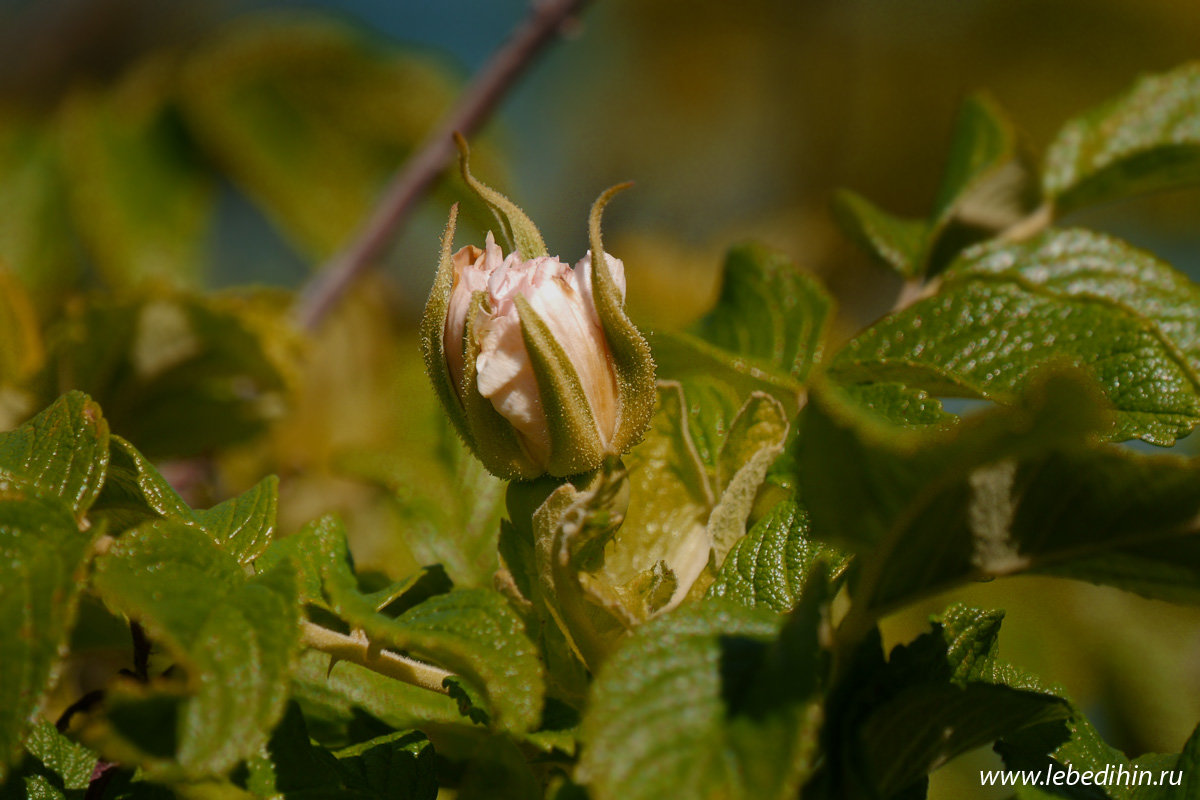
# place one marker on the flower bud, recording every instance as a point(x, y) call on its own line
point(535, 361)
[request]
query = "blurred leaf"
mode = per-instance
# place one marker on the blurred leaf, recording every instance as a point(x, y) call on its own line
point(1147, 139)
point(471, 632)
point(42, 553)
point(1067, 297)
point(141, 198)
point(63, 451)
point(771, 565)
point(135, 492)
point(310, 117)
point(449, 505)
point(1009, 490)
point(951, 680)
point(35, 242)
point(765, 333)
point(178, 374)
point(233, 636)
point(707, 701)
point(21, 351)
point(988, 186)
point(894, 241)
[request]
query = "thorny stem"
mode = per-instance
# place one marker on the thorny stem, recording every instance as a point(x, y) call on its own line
point(477, 102)
point(357, 649)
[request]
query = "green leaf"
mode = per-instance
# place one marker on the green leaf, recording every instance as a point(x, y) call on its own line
point(179, 374)
point(394, 765)
point(141, 196)
point(42, 553)
point(952, 681)
point(893, 241)
point(685, 515)
point(1065, 297)
point(309, 116)
point(1144, 140)
point(1053, 748)
point(898, 404)
point(63, 451)
point(233, 636)
point(1010, 490)
point(707, 701)
point(765, 333)
point(34, 194)
point(72, 763)
point(987, 184)
point(21, 351)
point(670, 499)
point(341, 694)
point(471, 632)
point(135, 492)
point(772, 564)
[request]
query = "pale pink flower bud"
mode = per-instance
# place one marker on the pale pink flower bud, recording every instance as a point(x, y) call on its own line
point(562, 298)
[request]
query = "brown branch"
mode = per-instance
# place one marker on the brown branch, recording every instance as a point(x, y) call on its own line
point(477, 102)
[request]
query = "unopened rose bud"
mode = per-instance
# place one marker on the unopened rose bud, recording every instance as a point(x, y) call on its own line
point(536, 362)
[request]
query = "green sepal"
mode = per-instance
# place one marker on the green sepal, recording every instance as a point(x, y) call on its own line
point(432, 333)
point(575, 444)
point(518, 229)
point(631, 354)
point(493, 438)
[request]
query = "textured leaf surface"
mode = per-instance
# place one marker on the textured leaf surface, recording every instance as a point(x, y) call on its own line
point(952, 681)
point(471, 632)
point(62, 451)
point(765, 333)
point(705, 702)
point(1010, 490)
point(394, 765)
point(135, 492)
point(53, 766)
point(1147, 139)
point(41, 554)
point(233, 636)
point(1076, 744)
point(1066, 297)
point(772, 564)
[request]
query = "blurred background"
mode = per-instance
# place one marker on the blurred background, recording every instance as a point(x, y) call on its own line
point(151, 153)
